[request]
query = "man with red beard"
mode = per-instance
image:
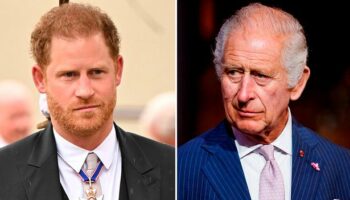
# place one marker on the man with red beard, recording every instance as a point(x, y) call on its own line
point(82, 154)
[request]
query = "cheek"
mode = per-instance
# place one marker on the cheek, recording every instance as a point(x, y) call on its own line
point(25, 119)
point(228, 90)
point(275, 102)
point(269, 98)
point(11, 124)
point(60, 92)
point(105, 89)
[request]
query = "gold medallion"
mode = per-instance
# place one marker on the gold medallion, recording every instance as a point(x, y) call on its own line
point(91, 192)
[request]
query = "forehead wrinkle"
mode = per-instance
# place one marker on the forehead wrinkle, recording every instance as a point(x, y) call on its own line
point(248, 50)
point(256, 38)
point(247, 59)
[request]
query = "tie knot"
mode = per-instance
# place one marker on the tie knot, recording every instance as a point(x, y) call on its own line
point(267, 151)
point(91, 161)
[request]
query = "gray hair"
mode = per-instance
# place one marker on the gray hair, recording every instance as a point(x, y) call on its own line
point(263, 18)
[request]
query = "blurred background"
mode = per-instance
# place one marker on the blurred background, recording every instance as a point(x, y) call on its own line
point(325, 103)
point(147, 31)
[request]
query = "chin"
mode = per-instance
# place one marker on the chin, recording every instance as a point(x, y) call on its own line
point(85, 129)
point(250, 127)
point(88, 123)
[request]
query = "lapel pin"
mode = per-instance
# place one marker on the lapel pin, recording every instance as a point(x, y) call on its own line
point(301, 153)
point(315, 166)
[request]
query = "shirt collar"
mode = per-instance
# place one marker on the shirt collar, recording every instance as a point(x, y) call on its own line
point(75, 156)
point(283, 142)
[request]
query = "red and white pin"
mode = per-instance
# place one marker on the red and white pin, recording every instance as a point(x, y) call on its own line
point(315, 166)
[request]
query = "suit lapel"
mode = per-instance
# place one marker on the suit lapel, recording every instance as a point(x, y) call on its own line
point(141, 176)
point(41, 176)
point(305, 178)
point(223, 168)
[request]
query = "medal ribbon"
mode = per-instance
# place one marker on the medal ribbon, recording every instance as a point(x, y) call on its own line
point(94, 175)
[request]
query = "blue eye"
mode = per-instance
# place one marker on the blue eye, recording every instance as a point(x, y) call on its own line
point(235, 74)
point(259, 75)
point(261, 78)
point(96, 72)
point(69, 74)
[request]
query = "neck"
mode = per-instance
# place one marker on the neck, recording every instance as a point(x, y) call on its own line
point(87, 140)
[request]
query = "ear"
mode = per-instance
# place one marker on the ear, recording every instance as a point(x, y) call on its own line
point(39, 78)
point(299, 88)
point(119, 70)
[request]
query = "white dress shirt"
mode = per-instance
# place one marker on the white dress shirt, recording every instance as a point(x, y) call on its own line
point(253, 163)
point(71, 159)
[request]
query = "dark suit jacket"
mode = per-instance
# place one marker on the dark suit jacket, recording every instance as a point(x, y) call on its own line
point(209, 167)
point(29, 170)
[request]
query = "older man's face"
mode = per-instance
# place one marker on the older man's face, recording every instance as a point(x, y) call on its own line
point(254, 85)
point(16, 119)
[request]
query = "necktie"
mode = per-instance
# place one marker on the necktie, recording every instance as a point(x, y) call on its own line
point(92, 186)
point(271, 181)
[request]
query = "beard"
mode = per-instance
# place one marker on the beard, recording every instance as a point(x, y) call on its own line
point(81, 124)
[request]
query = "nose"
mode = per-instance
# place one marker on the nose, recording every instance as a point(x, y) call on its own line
point(246, 90)
point(84, 89)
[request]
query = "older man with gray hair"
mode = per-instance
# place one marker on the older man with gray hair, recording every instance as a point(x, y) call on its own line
point(260, 151)
point(16, 113)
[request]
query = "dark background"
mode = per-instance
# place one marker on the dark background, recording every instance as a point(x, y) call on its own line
point(325, 103)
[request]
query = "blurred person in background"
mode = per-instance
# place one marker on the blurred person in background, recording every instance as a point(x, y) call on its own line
point(157, 120)
point(16, 114)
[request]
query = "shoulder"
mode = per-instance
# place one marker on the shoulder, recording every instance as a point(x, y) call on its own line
point(212, 137)
point(20, 150)
point(147, 144)
point(13, 158)
point(333, 153)
point(194, 145)
point(197, 150)
point(329, 151)
point(334, 161)
point(153, 150)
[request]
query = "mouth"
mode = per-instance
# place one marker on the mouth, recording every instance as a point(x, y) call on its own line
point(247, 113)
point(86, 108)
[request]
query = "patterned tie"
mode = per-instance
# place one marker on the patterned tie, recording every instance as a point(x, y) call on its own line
point(92, 190)
point(271, 180)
